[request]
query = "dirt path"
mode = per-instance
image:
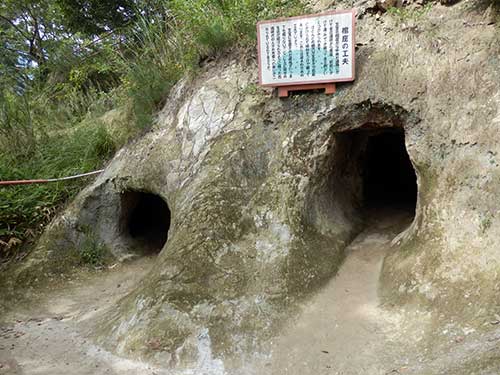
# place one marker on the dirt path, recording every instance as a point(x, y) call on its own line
point(343, 329)
point(49, 340)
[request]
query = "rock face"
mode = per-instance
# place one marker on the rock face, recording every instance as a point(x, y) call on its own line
point(264, 194)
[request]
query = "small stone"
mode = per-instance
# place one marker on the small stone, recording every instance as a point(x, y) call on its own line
point(496, 320)
point(386, 4)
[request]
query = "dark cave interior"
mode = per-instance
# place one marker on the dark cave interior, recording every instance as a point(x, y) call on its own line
point(145, 220)
point(389, 179)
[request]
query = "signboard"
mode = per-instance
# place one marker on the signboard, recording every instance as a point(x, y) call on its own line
point(307, 49)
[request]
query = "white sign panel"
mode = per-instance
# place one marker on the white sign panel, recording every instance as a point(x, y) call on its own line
point(308, 49)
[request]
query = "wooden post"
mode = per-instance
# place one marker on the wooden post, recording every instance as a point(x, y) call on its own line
point(284, 91)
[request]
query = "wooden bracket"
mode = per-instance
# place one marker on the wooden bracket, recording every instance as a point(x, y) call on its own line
point(284, 91)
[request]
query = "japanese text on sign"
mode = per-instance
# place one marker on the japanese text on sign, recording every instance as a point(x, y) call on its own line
point(310, 49)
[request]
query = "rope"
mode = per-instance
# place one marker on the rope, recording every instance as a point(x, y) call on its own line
point(28, 182)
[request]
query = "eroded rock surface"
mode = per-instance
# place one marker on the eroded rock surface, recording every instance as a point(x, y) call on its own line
point(265, 194)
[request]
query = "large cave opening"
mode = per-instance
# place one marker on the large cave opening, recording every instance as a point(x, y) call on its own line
point(388, 176)
point(369, 175)
point(144, 221)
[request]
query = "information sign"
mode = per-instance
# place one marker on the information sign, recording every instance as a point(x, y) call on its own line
point(308, 49)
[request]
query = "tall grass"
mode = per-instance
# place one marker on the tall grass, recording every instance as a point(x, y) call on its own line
point(165, 46)
point(42, 140)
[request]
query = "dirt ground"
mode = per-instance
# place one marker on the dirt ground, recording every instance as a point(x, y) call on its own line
point(342, 330)
point(50, 338)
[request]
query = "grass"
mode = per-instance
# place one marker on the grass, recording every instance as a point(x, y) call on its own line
point(25, 209)
point(406, 14)
point(92, 252)
point(58, 129)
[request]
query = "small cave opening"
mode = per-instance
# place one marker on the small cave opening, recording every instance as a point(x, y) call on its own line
point(388, 177)
point(144, 222)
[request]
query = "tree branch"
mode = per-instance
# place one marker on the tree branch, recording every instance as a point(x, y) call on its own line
point(17, 28)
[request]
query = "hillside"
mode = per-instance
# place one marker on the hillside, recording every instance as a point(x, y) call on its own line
point(236, 232)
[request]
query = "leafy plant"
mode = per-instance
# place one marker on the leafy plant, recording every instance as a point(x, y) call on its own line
point(93, 253)
point(485, 223)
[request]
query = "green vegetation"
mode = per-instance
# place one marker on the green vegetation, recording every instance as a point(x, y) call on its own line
point(65, 64)
point(486, 223)
point(409, 14)
point(93, 253)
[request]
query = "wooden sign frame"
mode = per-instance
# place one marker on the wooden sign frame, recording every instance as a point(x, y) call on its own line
point(327, 84)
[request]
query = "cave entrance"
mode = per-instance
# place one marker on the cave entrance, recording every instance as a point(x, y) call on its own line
point(144, 222)
point(388, 176)
point(372, 174)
